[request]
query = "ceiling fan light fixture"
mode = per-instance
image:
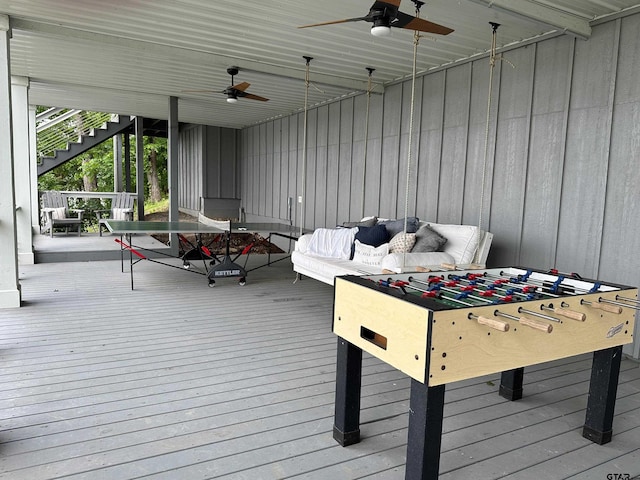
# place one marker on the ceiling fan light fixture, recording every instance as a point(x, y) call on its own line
point(380, 31)
point(381, 27)
point(232, 99)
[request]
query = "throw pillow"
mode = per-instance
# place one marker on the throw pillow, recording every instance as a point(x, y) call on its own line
point(120, 213)
point(396, 226)
point(374, 236)
point(58, 213)
point(369, 222)
point(402, 242)
point(368, 255)
point(428, 240)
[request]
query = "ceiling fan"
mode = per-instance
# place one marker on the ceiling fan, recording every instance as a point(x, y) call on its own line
point(386, 14)
point(234, 91)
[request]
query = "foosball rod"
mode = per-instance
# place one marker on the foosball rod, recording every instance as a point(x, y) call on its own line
point(484, 292)
point(494, 286)
point(538, 314)
point(558, 283)
point(519, 283)
point(579, 316)
point(529, 322)
point(605, 307)
point(489, 322)
point(433, 293)
point(627, 299)
point(458, 293)
point(613, 302)
point(425, 293)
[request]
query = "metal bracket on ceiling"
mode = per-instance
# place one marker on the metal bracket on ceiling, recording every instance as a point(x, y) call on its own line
point(548, 17)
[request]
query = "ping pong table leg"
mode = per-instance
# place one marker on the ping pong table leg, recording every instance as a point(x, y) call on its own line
point(121, 255)
point(130, 259)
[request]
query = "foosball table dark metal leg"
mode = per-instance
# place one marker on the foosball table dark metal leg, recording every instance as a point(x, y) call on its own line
point(346, 427)
point(605, 371)
point(426, 409)
point(511, 384)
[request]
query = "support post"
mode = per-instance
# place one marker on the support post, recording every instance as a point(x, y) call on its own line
point(10, 295)
point(33, 172)
point(21, 162)
point(117, 163)
point(605, 371)
point(127, 162)
point(346, 426)
point(172, 167)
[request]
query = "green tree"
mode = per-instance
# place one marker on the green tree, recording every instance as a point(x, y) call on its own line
point(93, 170)
point(155, 150)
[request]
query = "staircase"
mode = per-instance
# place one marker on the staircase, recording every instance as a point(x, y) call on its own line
point(59, 140)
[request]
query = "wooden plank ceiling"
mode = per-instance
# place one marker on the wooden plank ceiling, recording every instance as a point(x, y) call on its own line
point(129, 57)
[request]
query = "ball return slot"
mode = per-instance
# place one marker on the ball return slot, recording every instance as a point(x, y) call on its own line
point(373, 337)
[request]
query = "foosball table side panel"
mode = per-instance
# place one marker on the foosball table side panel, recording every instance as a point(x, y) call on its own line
point(462, 348)
point(442, 346)
point(391, 329)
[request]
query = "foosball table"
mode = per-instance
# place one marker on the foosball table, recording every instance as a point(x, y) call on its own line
point(445, 326)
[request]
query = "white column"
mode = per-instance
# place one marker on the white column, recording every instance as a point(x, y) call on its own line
point(9, 286)
point(33, 171)
point(21, 163)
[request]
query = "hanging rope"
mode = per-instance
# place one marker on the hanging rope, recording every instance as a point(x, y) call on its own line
point(492, 64)
point(366, 142)
point(304, 144)
point(416, 41)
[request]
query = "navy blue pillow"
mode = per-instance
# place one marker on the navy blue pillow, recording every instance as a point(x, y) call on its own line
point(374, 236)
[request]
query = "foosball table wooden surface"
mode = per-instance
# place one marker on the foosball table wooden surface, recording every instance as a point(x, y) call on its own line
point(435, 340)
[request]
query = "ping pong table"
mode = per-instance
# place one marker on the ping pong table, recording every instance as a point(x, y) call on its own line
point(227, 267)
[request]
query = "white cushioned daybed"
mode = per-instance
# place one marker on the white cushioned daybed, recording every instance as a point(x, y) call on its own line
point(360, 248)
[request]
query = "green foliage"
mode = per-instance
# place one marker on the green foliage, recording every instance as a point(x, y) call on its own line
point(97, 165)
point(93, 170)
point(161, 206)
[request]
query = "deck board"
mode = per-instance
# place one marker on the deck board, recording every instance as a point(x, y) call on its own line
point(178, 380)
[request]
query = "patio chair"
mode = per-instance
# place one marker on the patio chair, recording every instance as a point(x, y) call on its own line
point(56, 213)
point(121, 209)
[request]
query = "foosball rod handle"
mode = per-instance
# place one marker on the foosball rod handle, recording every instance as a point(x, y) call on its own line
point(493, 323)
point(573, 315)
point(605, 307)
point(537, 324)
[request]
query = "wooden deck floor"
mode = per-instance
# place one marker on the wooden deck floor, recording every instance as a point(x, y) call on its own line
point(175, 380)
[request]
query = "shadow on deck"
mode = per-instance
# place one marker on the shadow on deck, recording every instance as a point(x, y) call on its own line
point(69, 247)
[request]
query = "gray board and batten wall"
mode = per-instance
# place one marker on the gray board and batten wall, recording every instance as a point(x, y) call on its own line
point(562, 175)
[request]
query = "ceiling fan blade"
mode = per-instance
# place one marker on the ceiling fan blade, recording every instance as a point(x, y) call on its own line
point(255, 97)
point(380, 4)
point(241, 87)
point(332, 22)
point(410, 22)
